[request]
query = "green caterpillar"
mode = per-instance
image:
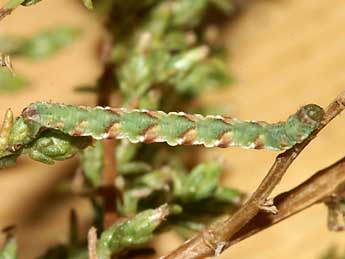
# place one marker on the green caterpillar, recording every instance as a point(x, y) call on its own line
point(174, 128)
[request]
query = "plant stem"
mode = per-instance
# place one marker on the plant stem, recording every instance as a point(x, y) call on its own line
point(317, 188)
point(219, 234)
point(108, 181)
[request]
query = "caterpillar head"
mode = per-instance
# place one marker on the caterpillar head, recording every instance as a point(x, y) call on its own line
point(311, 114)
point(300, 125)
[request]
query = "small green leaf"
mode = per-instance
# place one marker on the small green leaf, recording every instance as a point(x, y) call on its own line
point(10, 82)
point(9, 251)
point(156, 180)
point(88, 4)
point(226, 194)
point(210, 73)
point(187, 13)
point(125, 152)
point(92, 163)
point(129, 204)
point(135, 167)
point(48, 42)
point(130, 233)
point(141, 71)
point(11, 4)
point(200, 184)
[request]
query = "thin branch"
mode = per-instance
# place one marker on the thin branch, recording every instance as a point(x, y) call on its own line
point(219, 234)
point(106, 83)
point(317, 188)
point(108, 182)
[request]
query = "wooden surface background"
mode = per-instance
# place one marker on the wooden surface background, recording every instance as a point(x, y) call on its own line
point(284, 53)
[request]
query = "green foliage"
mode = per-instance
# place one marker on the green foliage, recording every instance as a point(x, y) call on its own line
point(12, 4)
point(206, 75)
point(9, 250)
point(88, 4)
point(130, 233)
point(142, 71)
point(9, 82)
point(200, 184)
point(48, 42)
point(166, 48)
point(92, 163)
point(178, 187)
point(37, 47)
point(41, 45)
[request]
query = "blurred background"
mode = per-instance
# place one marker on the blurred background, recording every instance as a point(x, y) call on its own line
point(283, 53)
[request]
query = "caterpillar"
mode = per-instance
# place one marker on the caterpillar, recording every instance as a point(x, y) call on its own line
point(175, 128)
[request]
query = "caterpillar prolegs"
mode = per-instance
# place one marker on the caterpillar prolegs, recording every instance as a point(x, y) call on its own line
point(174, 128)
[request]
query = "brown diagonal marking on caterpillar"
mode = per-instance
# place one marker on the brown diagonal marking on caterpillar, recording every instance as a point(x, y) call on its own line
point(116, 111)
point(225, 139)
point(191, 117)
point(114, 130)
point(259, 142)
point(78, 130)
point(150, 134)
point(152, 114)
point(188, 137)
point(226, 119)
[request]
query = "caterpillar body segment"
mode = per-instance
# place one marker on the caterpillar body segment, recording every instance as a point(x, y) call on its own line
point(174, 128)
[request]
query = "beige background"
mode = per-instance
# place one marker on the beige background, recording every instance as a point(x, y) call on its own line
point(284, 53)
